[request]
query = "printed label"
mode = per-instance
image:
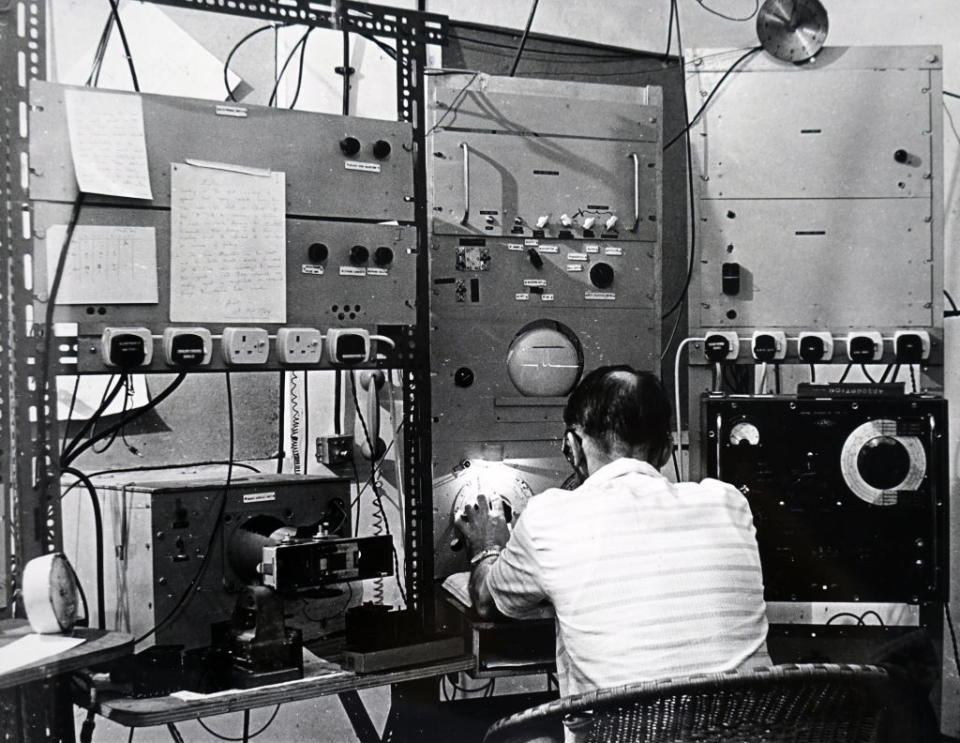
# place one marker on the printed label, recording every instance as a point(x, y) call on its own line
point(546, 297)
point(604, 296)
point(549, 248)
point(534, 282)
point(521, 296)
point(515, 246)
point(591, 248)
point(362, 167)
point(353, 271)
point(531, 243)
point(373, 271)
point(613, 250)
point(259, 497)
point(311, 269)
point(574, 267)
point(238, 112)
point(577, 257)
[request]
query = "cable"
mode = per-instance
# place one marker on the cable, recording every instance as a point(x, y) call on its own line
point(843, 377)
point(813, 373)
point(296, 92)
point(713, 92)
point(308, 451)
point(385, 48)
point(953, 636)
point(142, 410)
point(913, 379)
point(126, 47)
point(346, 72)
point(245, 736)
point(867, 613)
point(92, 420)
point(337, 393)
point(863, 368)
point(189, 590)
point(66, 423)
point(97, 539)
point(148, 467)
point(950, 94)
point(692, 222)
point(676, 392)
point(523, 39)
point(226, 63)
point(174, 733)
point(280, 437)
point(123, 411)
point(294, 423)
point(276, 85)
point(93, 78)
point(756, 9)
point(673, 9)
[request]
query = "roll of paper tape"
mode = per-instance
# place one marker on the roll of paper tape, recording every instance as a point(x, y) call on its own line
point(50, 593)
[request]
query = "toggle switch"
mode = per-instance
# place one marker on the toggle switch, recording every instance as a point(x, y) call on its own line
point(565, 220)
point(543, 221)
point(536, 260)
point(589, 222)
point(730, 279)
point(611, 222)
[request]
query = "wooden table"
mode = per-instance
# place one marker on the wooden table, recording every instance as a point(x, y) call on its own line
point(35, 704)
point(321, 678)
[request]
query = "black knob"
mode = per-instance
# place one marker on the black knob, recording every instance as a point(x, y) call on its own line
point(901, 156)
point(350, 146)
point(381, 149)
point(359, 255)
point(317, 253)
point(383, 256)
point(601, 275)
point(536, 260)
point(463, 377)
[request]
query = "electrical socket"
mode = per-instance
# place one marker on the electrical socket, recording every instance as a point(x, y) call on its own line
point(186, 347)
point(126, 348)
point(299, 345)
point(245, 346)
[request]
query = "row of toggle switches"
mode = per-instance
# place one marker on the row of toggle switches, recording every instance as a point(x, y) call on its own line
point(183, 347)
point(862, 347)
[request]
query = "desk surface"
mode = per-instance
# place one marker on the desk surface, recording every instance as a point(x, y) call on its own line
point(99, 646)
point(320, 678)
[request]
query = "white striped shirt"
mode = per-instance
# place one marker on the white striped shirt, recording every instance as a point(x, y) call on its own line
point(648, 579)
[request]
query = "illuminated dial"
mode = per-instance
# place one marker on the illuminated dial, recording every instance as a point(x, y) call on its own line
point(877, 463)
point(744, 433)
point(792, 30)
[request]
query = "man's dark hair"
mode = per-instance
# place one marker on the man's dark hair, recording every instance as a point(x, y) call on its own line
point(621, 408)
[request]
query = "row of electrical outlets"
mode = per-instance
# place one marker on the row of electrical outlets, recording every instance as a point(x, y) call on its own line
point(132, 348)
point(863, 347)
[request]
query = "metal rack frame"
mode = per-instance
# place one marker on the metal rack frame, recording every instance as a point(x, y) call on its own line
point(29, 509)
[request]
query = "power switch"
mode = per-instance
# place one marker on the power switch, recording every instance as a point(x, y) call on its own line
point(723, 345)
point(864, 347)
point(126, 348)
point(536, 260)
point(730, 279)
point(769, 345)
point(911, 346)
point(815, 347)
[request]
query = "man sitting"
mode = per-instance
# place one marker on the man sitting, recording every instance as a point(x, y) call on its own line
point(648, 579)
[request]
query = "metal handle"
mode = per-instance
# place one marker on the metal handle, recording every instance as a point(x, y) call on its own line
point(636, 190)
point(466, 183)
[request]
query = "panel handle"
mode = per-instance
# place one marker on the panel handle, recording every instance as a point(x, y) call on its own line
point(466, 183)
point(636, 190)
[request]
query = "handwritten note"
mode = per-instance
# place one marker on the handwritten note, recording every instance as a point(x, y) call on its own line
point(227, 245)
point(107, 142)
point(105, 264)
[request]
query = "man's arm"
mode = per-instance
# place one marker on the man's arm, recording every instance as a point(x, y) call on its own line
point(484, 526)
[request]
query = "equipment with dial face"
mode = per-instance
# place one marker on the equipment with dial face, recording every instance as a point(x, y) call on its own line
point(792, 30)
point(848, 495)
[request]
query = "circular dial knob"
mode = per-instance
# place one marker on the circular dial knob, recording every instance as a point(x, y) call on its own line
point(601, 275)
point(317, 253)
point(359, 255)
point(383, 256)
point(350, 146)
point(883, 463)
point(381, 149)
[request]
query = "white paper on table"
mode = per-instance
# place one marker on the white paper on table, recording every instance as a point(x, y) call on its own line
point(105, 264)
point(107, 143)
point(228, 247)
point(34, 648)
point(169, 60)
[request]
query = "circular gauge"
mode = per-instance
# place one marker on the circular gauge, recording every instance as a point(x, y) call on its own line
point(792, 30)
point(877, 463)
point(493, 479)
point(744, 433)
point(545, 359)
